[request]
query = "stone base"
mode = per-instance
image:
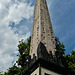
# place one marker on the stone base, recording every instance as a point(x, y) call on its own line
point(43, 67)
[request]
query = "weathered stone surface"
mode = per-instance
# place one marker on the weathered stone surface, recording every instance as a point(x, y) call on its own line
point(42, 29)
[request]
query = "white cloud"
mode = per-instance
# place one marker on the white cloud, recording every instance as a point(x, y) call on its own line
point(15, 11)
point(5, 61)
point(11, 12)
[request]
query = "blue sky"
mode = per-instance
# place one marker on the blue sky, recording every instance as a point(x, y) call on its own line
point(63, 19)
point(16, 20)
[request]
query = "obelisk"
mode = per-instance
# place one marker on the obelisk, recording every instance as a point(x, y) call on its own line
point(42, 28)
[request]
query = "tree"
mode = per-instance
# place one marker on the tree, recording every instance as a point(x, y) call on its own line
point(23, 48)
point(14, 70)
point(61, 50)
point(70, 61)
point(60, 47)
point(1, 73)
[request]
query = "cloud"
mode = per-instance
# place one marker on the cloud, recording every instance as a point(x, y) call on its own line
point(16, 21)
point(12, 11)
point(5, 61)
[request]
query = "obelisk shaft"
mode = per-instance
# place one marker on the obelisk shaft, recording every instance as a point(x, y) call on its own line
point(42, 28)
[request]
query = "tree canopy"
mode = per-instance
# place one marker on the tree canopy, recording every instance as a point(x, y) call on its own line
point(24, 47)
point(70, 61)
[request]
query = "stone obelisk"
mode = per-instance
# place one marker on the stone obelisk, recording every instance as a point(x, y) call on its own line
point(43, 58)
point(42, 28)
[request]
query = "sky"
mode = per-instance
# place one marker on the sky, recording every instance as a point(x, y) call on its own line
point(16, 20)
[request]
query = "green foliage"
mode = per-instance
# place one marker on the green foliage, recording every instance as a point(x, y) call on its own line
point(61, 50)
point(70, 61)
point(1, 73)
point(24, 47)
point(14, 70)
point(60, 47)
